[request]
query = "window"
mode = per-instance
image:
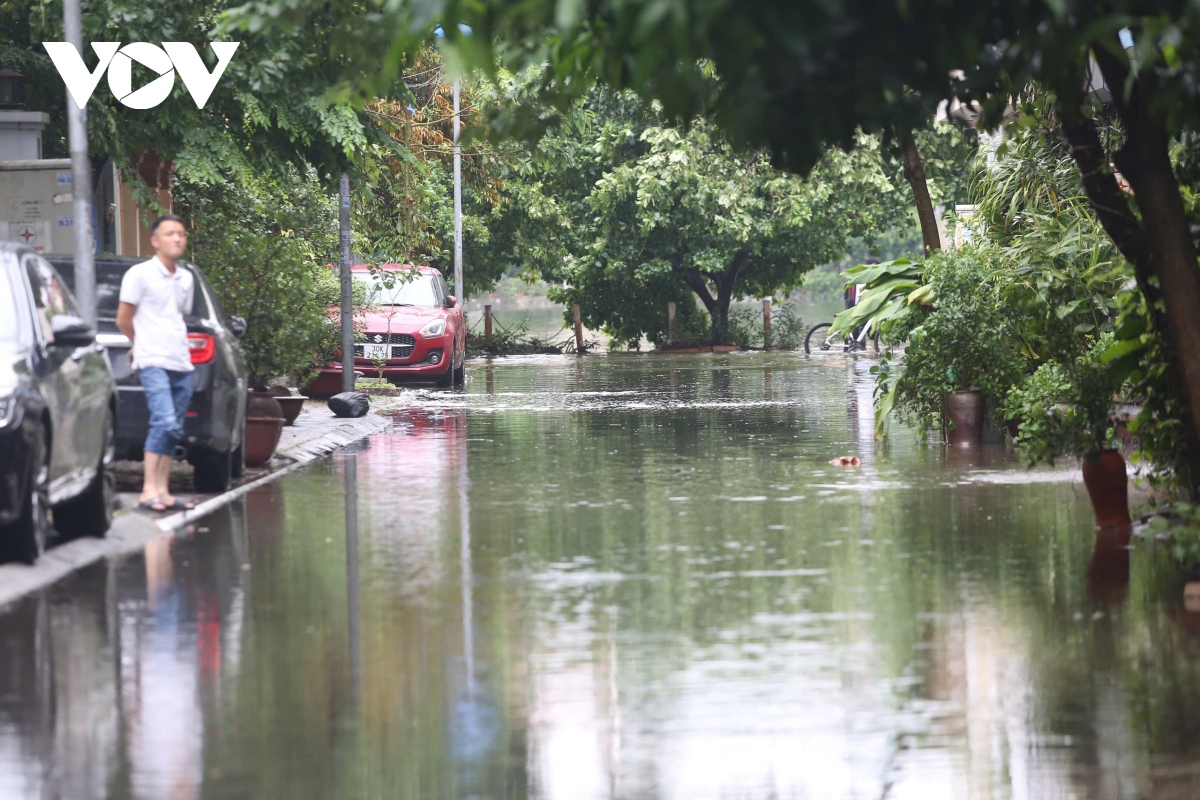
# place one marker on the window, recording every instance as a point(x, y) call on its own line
point(51, 297)
point(408, 288)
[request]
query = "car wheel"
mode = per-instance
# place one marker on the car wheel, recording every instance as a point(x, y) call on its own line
point(90, 514)
point(213, 470)
point(460, 374)
point(446, 379)
point(25, 539)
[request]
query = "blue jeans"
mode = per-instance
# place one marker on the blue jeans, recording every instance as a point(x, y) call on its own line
point(168, 394)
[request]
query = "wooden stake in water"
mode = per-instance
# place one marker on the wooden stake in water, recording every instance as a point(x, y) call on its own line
point(671, 320)
point(487, 322)
point(767, 324)
point(578, 330)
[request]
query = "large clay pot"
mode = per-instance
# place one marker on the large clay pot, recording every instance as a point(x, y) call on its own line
point(262, 437)
point(263, 404)
point(964, 418)
point(1107, 486)
point(324, 385)
point(291, 405)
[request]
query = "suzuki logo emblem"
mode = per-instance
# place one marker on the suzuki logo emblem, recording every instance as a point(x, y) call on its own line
point(172, 57)
point(378, 338)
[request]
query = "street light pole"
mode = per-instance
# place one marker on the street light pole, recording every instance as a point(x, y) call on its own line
point(347, 288)
point(459, 294)
point(81, 179)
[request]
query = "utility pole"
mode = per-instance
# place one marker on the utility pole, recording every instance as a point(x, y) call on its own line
point(81, 179)
point(459, 295)
point(347, 289)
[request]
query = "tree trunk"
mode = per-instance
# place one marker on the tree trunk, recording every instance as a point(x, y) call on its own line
point(718, 307)
point(914, 173)
point(1159, 245)
point(721, 313)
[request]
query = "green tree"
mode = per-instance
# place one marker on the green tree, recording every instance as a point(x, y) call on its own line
point(630, 213)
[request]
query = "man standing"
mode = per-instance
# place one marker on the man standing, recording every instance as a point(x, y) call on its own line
point(155, 295)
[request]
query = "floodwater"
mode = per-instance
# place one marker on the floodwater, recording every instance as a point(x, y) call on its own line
point(619, 577)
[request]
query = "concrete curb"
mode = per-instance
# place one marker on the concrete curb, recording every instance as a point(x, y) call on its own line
point(131, 531)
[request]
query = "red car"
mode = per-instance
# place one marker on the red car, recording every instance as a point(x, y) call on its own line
point(415, 328)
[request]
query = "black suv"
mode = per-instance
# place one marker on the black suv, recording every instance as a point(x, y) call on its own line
point(58, 407)
point(215, 426)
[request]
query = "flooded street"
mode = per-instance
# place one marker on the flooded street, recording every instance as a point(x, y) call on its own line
point(620, 577)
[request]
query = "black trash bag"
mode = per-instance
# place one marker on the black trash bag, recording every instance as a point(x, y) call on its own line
point(349, 404)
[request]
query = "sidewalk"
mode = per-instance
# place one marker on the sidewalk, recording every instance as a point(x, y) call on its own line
point(315, 433)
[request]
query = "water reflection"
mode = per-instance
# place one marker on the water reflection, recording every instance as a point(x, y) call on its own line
point(621, 577)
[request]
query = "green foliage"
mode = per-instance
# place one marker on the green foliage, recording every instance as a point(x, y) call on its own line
point(1137, 360)
point(266, 250)
point(1060, 272)
point(1181, 523)
point(963, 341)
point(1065, 408)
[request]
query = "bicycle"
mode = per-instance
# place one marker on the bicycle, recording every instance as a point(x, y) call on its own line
point(820, 342)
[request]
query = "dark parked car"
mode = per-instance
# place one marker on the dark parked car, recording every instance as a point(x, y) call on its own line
point(58, 407)
point(215, 427)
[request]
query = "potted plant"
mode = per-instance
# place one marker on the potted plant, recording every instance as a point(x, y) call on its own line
point(1068, 409)
point(959, 349)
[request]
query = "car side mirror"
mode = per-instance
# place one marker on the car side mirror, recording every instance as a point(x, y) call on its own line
point(237, 326)
point(451, 302)
point(71, 331)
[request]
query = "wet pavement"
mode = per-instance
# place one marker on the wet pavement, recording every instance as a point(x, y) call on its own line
point(619, 577)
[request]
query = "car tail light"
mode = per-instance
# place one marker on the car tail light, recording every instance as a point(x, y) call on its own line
point(202, 347)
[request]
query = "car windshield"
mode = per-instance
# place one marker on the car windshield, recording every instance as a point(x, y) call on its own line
point(108, 288)
point(407, 289)
point(8, 308)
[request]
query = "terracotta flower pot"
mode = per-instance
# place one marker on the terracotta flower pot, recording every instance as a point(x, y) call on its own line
point(291, 405)
point(325, 384)
point(1107, 486)
point(964, 418)
point(263, 404)
point(262, 437)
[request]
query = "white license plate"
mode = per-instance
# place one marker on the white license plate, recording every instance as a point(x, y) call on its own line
point(376, 351)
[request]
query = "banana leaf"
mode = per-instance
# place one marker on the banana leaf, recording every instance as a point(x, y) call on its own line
point(871, 302)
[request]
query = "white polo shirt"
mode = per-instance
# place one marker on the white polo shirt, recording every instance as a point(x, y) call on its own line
point(162, 299)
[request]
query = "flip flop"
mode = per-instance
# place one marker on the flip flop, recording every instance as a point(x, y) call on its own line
point(149, 505)
point(180, 505)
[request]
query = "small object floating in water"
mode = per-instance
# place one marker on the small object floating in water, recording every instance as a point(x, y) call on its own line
point(846, 461)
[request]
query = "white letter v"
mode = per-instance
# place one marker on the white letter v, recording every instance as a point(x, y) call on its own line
point(80, 83)
point(196, 77)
